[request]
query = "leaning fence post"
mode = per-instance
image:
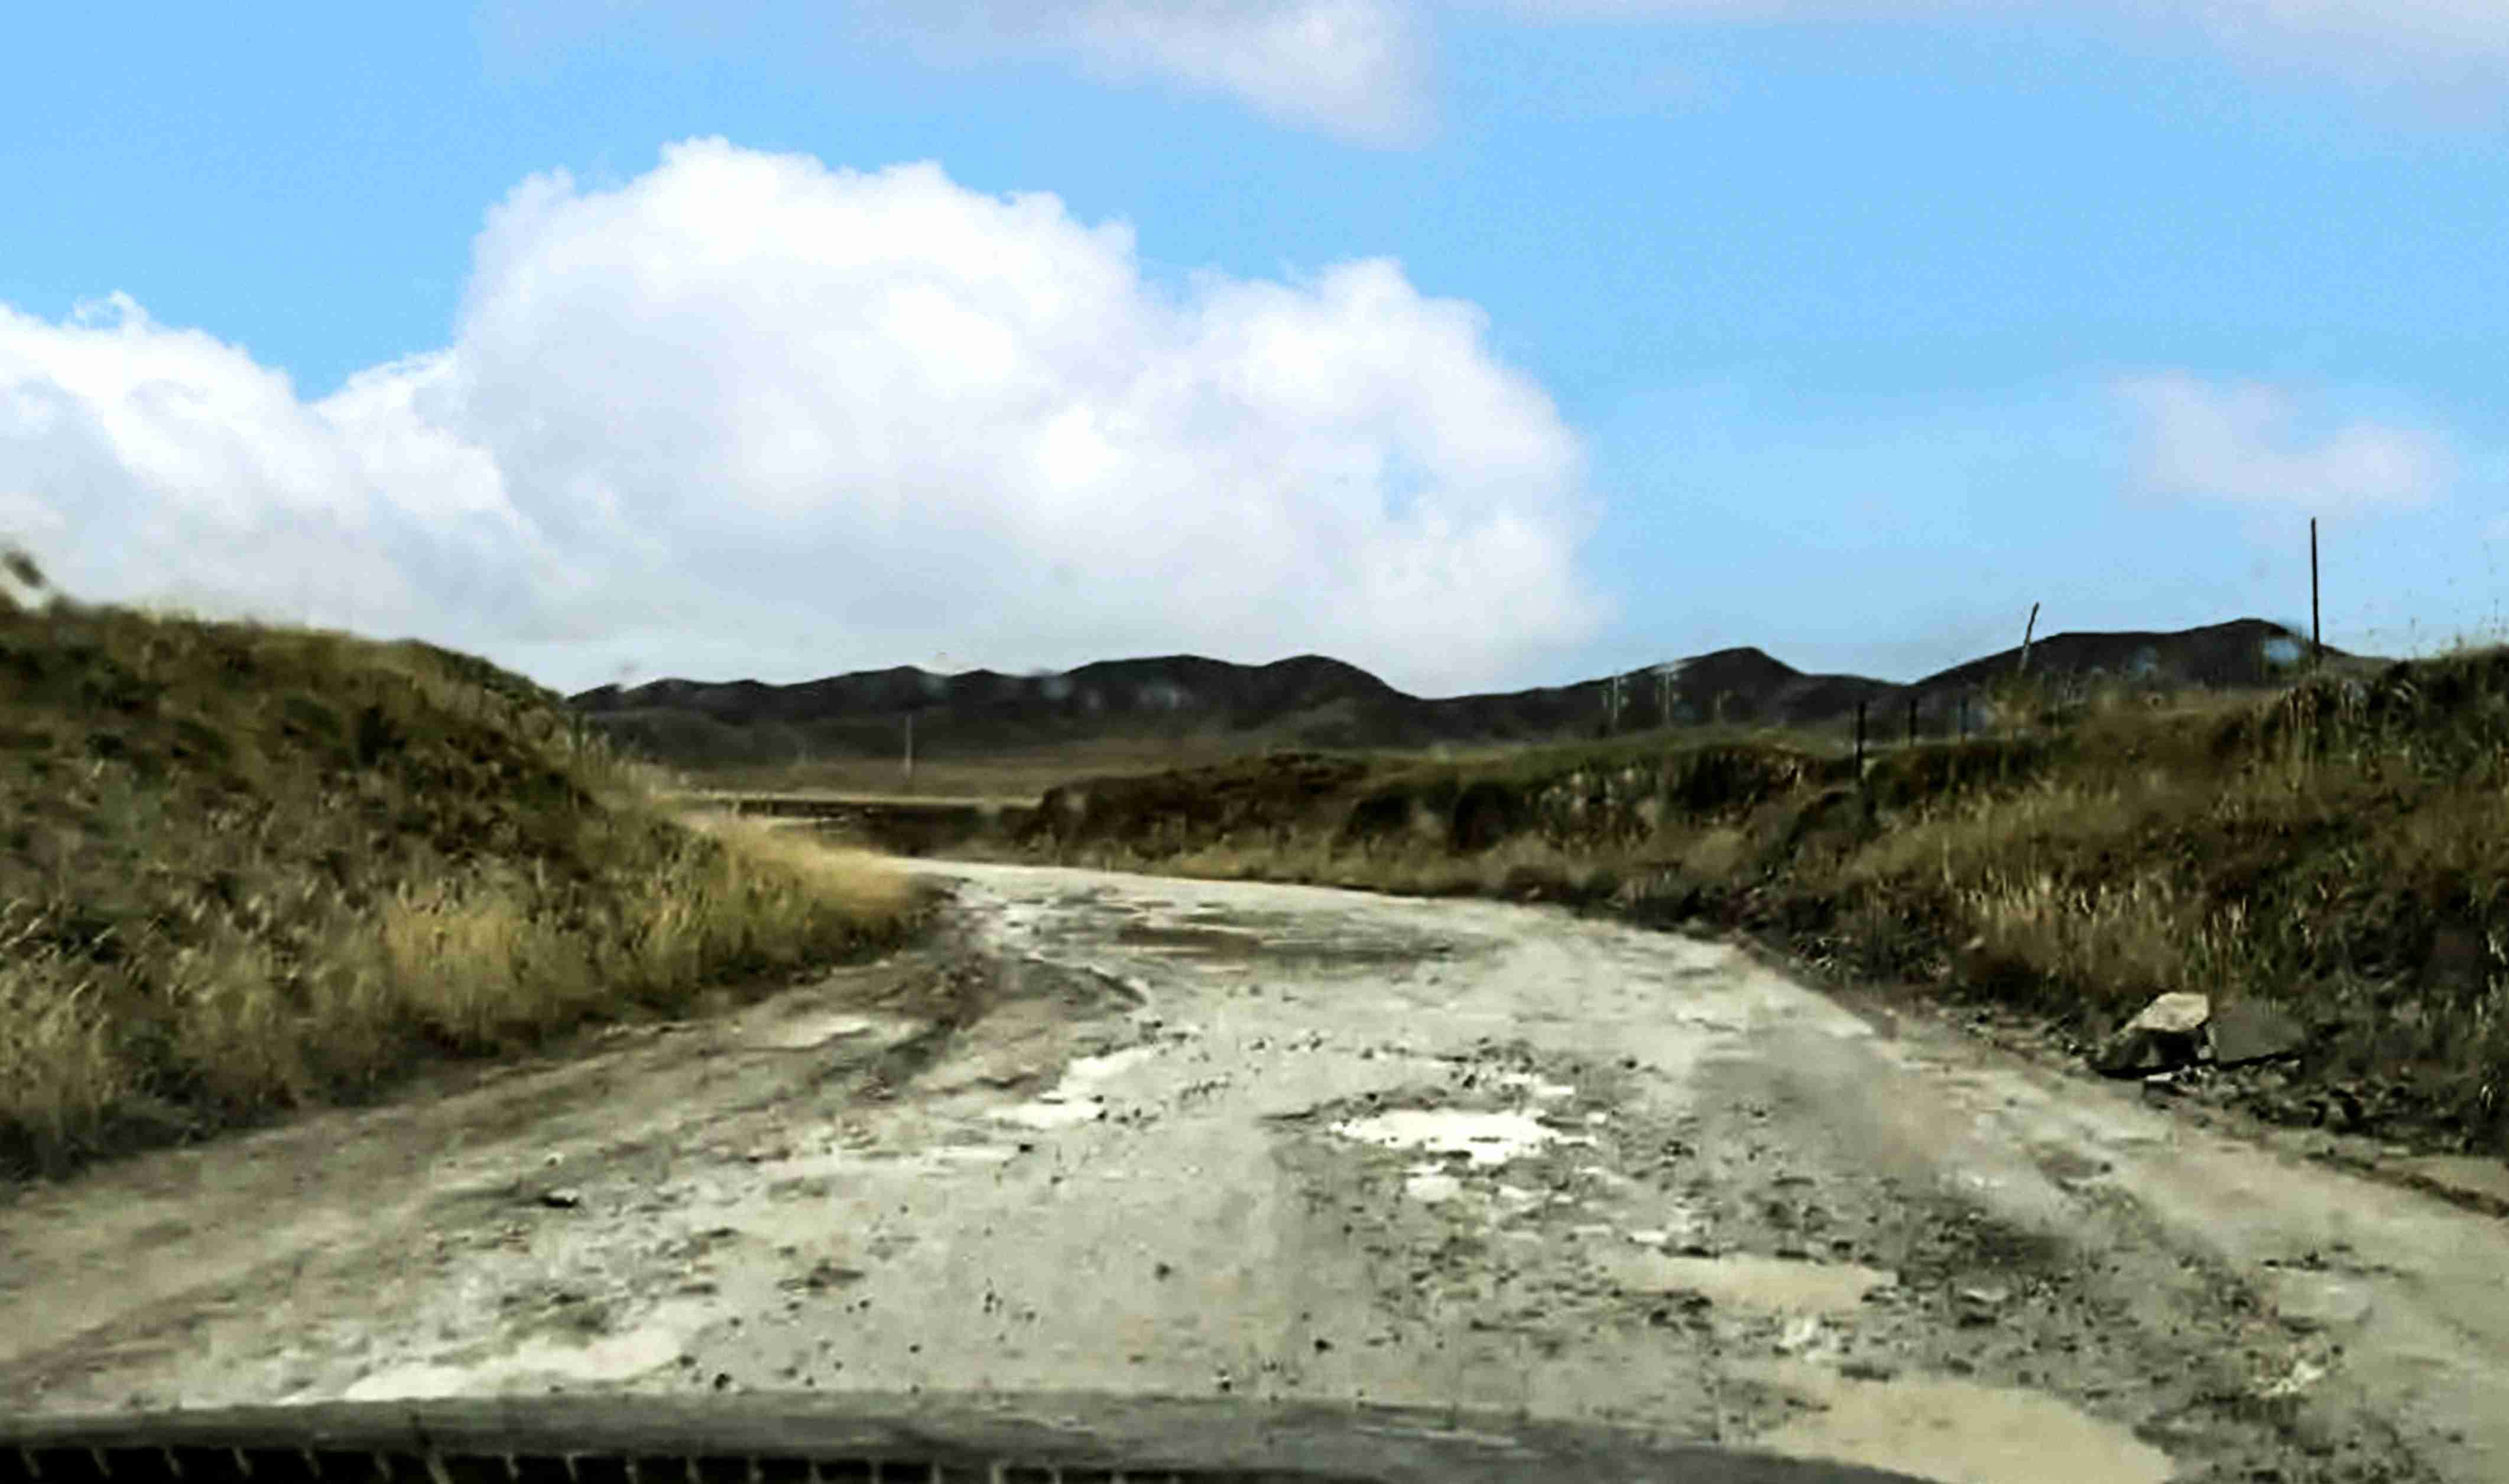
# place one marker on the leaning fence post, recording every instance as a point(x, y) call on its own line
point(2316, 634)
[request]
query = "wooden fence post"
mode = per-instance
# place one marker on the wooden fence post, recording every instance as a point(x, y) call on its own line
point(2316, 635)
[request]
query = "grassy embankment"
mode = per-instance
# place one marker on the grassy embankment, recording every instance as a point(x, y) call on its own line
point(2339, 849)
point(1015, 777)
point(243, 867)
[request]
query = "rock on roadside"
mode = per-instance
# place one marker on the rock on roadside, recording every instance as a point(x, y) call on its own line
point(2251, 1030)
point(2178, 1030)
point(2168, 1032)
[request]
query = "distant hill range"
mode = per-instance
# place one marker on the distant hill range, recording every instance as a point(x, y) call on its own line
point(1312, 701)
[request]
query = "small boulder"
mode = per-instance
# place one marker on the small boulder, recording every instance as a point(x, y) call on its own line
point(2251, 1030)
point(2167, 1033)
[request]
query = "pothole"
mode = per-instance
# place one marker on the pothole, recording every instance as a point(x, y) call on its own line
point(1190, 939)
point(1486, 1138)
point(1075, 1098)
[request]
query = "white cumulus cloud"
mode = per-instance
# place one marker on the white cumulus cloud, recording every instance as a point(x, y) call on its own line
point(1353, 68)
point(2442, 43)
point(746, 413)
point(2251, 442)
point(139, 458)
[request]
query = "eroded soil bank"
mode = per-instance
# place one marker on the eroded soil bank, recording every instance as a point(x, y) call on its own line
point(1166, 1137)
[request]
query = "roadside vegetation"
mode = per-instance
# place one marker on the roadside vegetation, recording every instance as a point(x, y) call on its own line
point(245, 868)
point(1011, 778)
point(2337, 848)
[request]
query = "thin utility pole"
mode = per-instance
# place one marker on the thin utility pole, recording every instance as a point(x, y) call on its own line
point(910, 752)
point(1912, 721)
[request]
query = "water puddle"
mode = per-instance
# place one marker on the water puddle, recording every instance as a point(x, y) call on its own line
point(1488, 1139)
point(1074, 1100)
point(1046, 1113)
point(1534, 1087)
point(1749, 1281)
point(1190, 939)
point(622, 1356)
point(1432, 1184)
point(801, 1032)
point(1954, 1431)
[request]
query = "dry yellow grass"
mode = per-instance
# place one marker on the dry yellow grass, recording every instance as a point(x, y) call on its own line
point(1012, 777)
point(243, 867)
point(2340, 848)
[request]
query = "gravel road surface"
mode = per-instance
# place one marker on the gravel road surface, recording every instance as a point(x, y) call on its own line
point(1151, 1137)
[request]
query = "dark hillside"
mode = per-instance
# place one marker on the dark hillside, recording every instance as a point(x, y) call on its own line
point(1312, 701)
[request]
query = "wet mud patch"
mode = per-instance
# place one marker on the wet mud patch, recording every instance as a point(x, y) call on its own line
point(559, 1312)
point(1335, 953)
point(1841, 1311)
point(1220, 936)
point(1190, 938)
point(1249, 920)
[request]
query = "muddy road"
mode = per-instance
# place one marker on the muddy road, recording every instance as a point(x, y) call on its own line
point(1146, 1136)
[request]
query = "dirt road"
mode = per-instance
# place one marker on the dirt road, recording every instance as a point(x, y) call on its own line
point(1152, 1136)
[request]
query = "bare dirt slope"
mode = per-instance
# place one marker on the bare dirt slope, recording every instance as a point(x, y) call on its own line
point(1267, 1142)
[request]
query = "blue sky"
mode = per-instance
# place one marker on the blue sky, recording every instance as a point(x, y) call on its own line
point(1483, 344)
